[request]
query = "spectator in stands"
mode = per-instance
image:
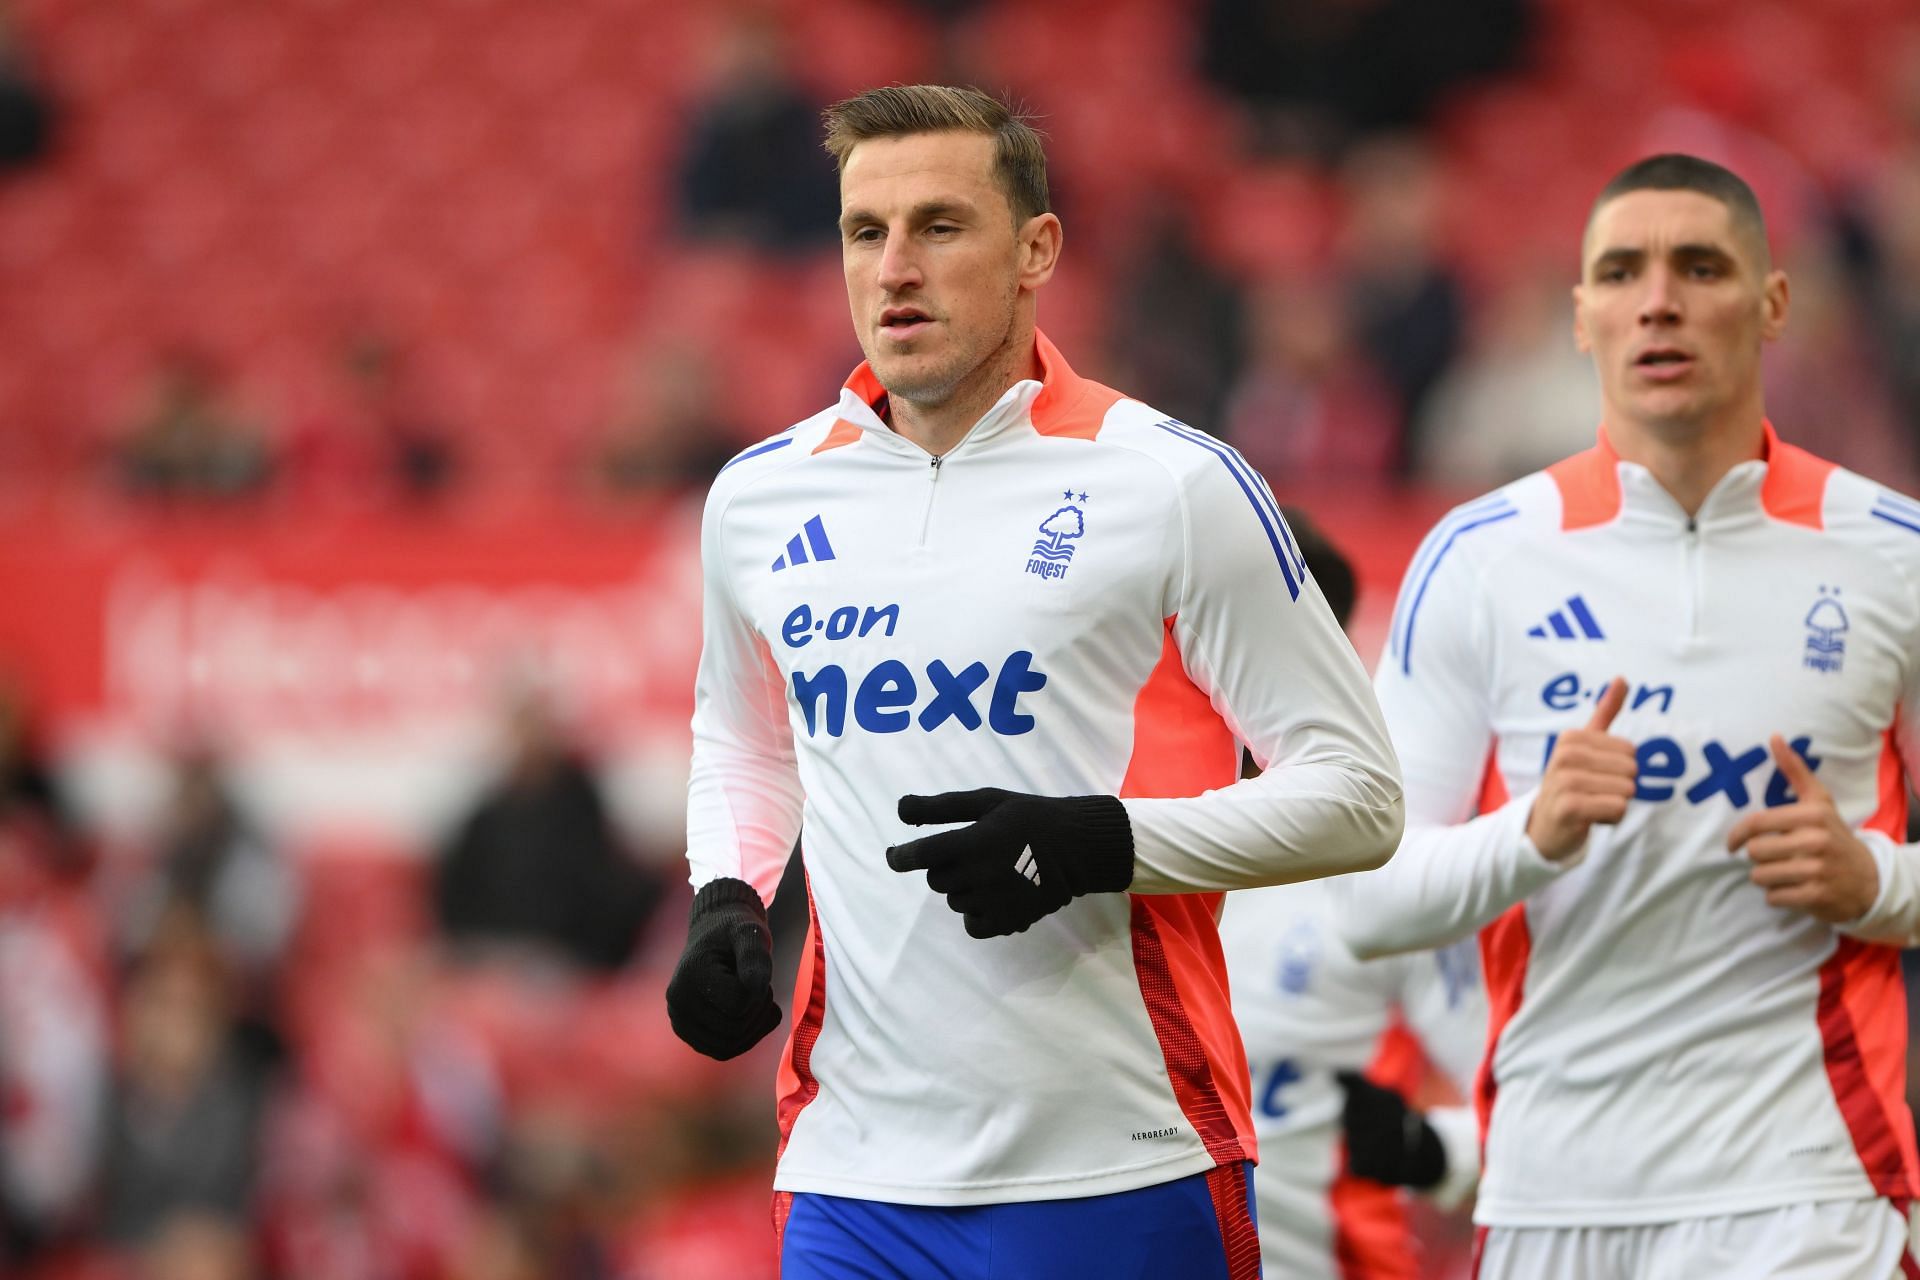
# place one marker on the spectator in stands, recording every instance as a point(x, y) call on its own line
point(215, 874)
point(26, 112)
point(1323, 71)
point(1828, 380)
point(1887, 254)
point(1408, 305)
point(384, 442)
point(663, 435)
point(184, 1125)
point(198, 1246)
point(1309, 405)
point(537, 867)
point(31, 807)
point(54, 1036)
point(189, 442)
point(751, 171)
point(1180, 326)
point(1521, 397)
point(374, 1164)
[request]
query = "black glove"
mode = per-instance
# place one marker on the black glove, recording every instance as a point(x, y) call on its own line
point(1024, 857)
point(1387, 1140)
point(720, 998)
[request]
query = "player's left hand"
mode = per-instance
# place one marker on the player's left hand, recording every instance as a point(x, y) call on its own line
point(1387, 1140)
point(1021, 858)
point(1804, 854)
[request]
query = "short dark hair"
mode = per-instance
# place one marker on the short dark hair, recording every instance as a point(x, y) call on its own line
point(1676, 171)
point(896, 111)
point(1326, 562)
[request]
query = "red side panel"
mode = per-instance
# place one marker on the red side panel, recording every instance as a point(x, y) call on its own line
point(1181, 748)
point(1504, 947)
point(1372, 1239)
point(1863, 1026)
point(796, 1086)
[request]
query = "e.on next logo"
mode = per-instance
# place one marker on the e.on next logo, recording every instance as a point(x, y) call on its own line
point(883, 699)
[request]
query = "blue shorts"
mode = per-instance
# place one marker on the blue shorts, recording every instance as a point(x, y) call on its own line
point(1195, 1228)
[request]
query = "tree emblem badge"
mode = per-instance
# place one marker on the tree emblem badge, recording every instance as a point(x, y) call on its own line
point(1826, 632)
point(1053, 549)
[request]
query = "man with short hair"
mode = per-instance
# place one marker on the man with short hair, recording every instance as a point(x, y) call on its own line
point(1685, 876)
point(983, 590)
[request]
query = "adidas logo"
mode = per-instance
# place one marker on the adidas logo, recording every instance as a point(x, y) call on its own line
point(1026, 865)
point(1557, 626)
point(812, 537)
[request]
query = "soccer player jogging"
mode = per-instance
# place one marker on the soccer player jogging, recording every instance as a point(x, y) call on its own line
point(1677, 678)
point(987, 636)
point(1335, 1043)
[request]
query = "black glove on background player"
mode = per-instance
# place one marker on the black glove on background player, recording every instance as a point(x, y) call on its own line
point(1022, 858)
point(1387, 1140)
point(720, 998)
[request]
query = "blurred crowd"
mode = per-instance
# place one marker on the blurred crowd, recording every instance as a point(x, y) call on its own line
point(219, 1059)
point(1349, 310)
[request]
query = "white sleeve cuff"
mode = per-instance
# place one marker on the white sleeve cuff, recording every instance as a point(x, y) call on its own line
point(1894, 917)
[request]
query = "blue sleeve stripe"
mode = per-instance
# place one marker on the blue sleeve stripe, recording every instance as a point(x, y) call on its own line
point(1890, 518)
point(759, 449)
point(1433, 546)
point(1243, 470)
point(1903, 506)
point(1413, 610)
point(1272, 523)
point(1286, 534)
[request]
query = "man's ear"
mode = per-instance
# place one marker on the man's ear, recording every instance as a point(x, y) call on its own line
point(1580, 338)
point(1040, 241)
point(1773, 301)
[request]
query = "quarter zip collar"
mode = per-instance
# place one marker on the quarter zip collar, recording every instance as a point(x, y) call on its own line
point(1054, 404)
point(1785, 483)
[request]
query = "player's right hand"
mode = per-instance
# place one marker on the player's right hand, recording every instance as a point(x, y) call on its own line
point(1589, 779)
point(720, 997)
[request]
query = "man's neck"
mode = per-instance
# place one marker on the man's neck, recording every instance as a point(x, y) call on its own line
point(1689, 459)
point(938, 427)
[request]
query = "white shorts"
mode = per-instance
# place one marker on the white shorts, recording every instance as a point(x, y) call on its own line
point(1833, 1240)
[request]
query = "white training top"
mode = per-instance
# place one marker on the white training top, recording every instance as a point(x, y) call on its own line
point(1666, 1045)
point(1308, 1009)
point(1081, 597)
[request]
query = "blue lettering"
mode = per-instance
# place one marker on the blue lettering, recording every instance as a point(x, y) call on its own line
point(794, 629)
point(873, 616)
point(1646, 693)
point(1562, 692)
point(1283, 1074)
point(1658, 758)
point(840, 622)
point(1779, 791)
point(887, 688)
point(884, 699)
point(953, 695)
point(1726, 773)
point(1017, 676)
point(830, 682)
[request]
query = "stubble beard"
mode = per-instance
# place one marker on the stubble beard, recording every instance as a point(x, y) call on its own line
point(970, 365)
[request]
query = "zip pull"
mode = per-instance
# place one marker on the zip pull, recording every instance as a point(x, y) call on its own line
point(935, 462)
